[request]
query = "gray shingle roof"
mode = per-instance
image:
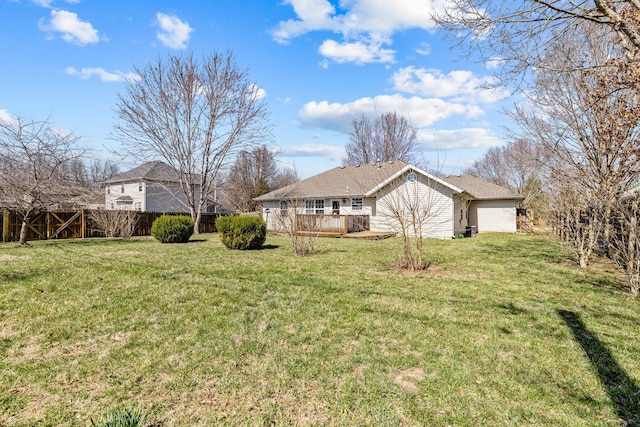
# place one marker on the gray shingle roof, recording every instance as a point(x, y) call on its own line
point(150, 171)
point(344, 181)
point(480, 189)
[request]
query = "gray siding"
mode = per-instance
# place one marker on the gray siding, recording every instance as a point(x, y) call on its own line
point(152, 197)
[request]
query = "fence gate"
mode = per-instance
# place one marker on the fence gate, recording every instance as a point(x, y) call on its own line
point(45, 225)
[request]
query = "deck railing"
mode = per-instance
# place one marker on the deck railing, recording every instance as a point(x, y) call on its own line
point(341, 224)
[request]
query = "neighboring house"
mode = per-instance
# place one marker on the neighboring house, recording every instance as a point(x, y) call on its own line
point(151, 187)
point(384, 192)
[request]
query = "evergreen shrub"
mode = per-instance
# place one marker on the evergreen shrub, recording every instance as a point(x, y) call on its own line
point(172, 228)
point(242, 232)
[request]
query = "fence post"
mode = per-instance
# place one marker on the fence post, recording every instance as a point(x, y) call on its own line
point(83, 224)
point(47, 224)
point(6, 225)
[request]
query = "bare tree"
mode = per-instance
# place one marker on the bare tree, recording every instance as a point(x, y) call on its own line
point(576, 223)
point(286, 176)
point(193, 115)
point(519, 34)
point(413, 206)
point(520, 165)
point(588, 121)
point(491, 167)
point(115, 222)
point(390, 137)
point(290, 220)
point(36, 167)
point(625, 240)
point(100, 171)
point(252, 175)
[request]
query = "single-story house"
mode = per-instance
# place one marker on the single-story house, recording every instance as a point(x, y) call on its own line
point(387, 196)
point(150, 187)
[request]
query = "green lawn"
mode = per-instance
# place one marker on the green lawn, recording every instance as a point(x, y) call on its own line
point(502, 330)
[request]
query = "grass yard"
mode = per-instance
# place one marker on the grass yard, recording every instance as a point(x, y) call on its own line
point(502, 330)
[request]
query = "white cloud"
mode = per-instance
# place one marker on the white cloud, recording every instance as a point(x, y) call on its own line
point(6, 117)
point(43, 3)
point(422, 112)
point(313, 150)
point(359, 52)
point(442, 140)
point(460, 85)
point(423, 49)
point(493, 63)
point(358, 20)
point(173, 33)
point(259, 92)
point(48, 3)
point(312, 14)
point(105, 76)
point(72, 29)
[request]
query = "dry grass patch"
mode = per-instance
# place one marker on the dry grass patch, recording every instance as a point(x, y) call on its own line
point(407, 379)
point(9, 257)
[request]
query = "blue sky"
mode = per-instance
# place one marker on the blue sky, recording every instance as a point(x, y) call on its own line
point(321, 63)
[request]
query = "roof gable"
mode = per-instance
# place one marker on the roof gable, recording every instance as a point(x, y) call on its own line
point(481, 189)
point(349, 181)
point(150, 171)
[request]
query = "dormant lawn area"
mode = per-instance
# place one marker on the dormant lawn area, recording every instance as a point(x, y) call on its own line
point(503, 330)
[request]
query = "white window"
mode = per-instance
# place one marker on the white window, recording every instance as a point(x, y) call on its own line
point(284, 207)
point(137, 206)
point(122, 187)
point(356, 204)
point(314, 206)
point(140, 186)
point(412, 177)
point(108, 189)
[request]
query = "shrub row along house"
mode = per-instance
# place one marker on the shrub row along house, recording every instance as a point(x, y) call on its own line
point(384, 197)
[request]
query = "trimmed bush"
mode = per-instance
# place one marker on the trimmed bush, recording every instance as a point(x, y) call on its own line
point(242, 232)
point(172, 228)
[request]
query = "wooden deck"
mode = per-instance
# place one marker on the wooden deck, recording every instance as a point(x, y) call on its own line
point(368, 235)
point(363, 235)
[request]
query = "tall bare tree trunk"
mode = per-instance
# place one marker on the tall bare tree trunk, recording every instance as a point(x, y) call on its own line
point(632, 258)
point(23, 233)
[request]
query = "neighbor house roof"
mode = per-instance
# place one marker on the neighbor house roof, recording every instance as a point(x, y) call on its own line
point(480, 189)
point(349, 181)
point(150, 171)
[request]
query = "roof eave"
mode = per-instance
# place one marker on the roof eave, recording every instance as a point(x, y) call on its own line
point(517, 197)
point(307, 196)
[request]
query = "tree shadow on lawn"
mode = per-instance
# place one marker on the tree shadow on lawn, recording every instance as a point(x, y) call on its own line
point(267, 247)
point(622, 390)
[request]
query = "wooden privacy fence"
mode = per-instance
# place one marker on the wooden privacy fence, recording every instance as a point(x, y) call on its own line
point(78, 224)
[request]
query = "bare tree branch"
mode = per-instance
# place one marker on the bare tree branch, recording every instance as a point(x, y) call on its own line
point(193, 115)
point(390, 137)
point(38, 167)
